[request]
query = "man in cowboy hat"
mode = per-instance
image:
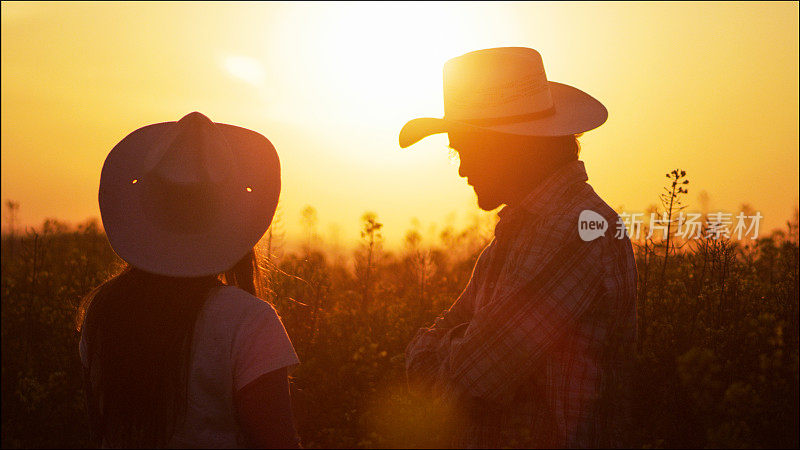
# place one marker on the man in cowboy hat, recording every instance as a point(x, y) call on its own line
point(535, 350)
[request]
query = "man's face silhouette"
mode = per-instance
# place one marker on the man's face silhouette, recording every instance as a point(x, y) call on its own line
point(487, 162)
point(503, 168)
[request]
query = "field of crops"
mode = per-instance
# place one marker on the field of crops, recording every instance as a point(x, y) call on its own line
point(717, 357)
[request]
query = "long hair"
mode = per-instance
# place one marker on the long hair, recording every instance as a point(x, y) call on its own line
point(139, 329)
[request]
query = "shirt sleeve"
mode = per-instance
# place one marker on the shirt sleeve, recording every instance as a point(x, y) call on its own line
point(425, 349)
point(261, 346)
point(504, 340)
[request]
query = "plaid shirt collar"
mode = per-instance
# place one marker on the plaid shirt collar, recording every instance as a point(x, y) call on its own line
point(546, 196)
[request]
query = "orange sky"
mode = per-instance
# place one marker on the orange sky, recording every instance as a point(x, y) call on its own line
point(710, 88)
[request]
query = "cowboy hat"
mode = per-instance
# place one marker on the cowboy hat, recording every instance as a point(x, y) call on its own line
point(188, 198)
point(506, 90)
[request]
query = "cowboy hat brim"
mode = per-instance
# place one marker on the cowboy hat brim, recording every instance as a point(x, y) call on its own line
point(575, 112)
point(248, 201)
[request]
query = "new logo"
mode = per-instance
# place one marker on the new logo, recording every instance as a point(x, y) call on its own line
point(591, 225)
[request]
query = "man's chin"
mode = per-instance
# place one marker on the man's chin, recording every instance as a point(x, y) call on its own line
point(488, 204)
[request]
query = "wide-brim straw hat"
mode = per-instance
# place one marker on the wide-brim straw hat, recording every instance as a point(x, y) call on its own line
point(506, 90)
point(188, 198)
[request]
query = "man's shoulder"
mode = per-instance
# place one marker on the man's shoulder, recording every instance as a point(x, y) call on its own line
point(561, 223)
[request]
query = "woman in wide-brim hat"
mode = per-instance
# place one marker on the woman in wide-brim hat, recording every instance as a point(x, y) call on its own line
point(178, 350)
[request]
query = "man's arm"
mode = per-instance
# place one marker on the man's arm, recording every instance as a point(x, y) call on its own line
point(423, 352)
point(504, 339)
point(462, 309)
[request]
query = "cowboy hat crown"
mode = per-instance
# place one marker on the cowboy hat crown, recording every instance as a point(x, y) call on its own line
point(188, 198)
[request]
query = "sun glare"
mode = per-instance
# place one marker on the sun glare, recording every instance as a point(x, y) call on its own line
point(381, 55)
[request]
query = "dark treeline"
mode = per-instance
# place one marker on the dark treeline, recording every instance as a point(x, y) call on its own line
point(716, 365)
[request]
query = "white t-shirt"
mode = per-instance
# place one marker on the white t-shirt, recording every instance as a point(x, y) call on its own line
point(237, 338)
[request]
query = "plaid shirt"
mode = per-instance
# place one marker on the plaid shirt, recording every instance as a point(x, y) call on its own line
point(536, 348)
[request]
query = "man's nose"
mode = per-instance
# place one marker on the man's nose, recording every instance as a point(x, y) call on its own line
point(461, 172)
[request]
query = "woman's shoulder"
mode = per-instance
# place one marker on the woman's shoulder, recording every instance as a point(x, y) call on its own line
point(231, 303)
point(235, 298)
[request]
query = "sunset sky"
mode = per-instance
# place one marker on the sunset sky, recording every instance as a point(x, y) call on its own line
point(711, 88)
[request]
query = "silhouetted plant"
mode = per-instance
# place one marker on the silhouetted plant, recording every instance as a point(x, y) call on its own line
point(371, 242)
point(671, 201)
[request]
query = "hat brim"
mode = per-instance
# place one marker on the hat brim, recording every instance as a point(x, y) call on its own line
point(575, 112)
point(228, 237)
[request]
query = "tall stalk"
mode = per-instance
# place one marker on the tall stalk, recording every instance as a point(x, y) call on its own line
point(672, 203)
